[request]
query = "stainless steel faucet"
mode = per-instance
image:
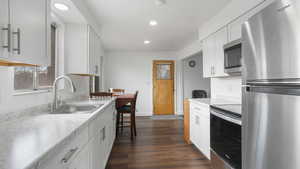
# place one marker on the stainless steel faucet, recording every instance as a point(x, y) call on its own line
point(54, 90)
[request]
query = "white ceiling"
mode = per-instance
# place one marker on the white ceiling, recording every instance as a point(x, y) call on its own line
point(125, 23)
point(73, 15)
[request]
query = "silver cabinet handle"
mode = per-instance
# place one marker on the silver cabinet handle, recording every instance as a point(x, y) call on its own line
point(18, 34)
point(283, 8)
point(96, 69)
point(8, 29)
point(197, 120)
point(69, 155)
point(103, 134)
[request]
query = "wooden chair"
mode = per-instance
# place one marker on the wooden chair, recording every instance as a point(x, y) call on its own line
point(128, 109)
point(101, 94)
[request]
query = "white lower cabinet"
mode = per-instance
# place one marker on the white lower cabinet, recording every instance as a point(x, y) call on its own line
point(96, 147)
point(200, 127)
point(90, 149)
point(213, 54)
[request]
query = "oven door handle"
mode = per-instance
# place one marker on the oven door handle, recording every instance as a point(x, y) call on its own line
point(227, 118)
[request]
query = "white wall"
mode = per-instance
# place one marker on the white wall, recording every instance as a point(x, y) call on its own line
point(133, 71)
point(193, 76)
point(190, 49)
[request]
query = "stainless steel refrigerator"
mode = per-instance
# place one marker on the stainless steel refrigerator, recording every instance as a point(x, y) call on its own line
point(271, 87)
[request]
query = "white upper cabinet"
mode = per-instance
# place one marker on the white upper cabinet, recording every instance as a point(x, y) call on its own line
point(213, 54)
point(221, 39)
point(235, 29)
point(83, 49)
point(25, 31)
point(95, 52)
point(4, 28)
point(208, 56)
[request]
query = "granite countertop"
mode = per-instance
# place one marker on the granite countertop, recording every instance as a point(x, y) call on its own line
point(214, 101)
point(26, 140)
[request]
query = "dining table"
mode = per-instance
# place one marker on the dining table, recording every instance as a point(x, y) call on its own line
point(124, 99)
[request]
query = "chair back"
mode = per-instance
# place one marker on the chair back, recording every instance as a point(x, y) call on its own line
point(117, 92)
point(133, 103)
point(101, 94)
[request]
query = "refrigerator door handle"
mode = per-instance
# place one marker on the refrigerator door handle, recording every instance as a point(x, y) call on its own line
point(280, 90)
point(281, 82)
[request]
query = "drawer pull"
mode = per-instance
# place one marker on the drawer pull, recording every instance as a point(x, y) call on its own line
point(69, 155)
point(197, 108)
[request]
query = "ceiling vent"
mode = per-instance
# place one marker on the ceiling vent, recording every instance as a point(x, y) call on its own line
point(160, 2)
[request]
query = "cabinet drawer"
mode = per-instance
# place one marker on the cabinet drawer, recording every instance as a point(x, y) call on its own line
point(95, 125)
point(66, 152)
point(202, 110)
point(103, 117)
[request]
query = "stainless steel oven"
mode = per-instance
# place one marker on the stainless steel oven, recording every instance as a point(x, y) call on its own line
point(232, 57)
point(226, 144)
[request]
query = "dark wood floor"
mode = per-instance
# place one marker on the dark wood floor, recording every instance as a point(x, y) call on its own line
point(159, 145)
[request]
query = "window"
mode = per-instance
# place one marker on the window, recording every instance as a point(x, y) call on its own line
point(36, 78)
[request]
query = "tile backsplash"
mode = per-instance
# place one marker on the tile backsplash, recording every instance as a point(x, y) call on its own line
point(229, 88)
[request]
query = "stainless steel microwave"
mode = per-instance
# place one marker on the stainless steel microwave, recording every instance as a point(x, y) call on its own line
point(233, 57)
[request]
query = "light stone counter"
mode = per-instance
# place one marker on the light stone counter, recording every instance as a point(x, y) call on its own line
point(26, 140)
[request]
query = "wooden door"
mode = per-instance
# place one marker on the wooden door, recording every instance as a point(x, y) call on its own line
point(163, 87)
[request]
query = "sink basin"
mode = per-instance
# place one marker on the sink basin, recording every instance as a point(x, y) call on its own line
point(76, 109)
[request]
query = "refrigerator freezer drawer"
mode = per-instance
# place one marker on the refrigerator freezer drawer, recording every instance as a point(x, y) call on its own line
point(271, 130)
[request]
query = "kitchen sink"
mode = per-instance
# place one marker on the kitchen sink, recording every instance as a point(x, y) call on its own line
point(76, 109)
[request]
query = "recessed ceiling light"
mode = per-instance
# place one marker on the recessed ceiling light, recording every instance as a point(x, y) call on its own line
point(147, 42)
point(61, 6)
point(160, 2)
point(153, 23)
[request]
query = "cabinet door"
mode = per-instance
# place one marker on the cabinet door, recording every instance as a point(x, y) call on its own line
point(205, 136)
point(97, 148)
point(192, 127)
point(30, 31)
point(82, 160)
point(208, 56)
point(235, 29)
point(220, 40)
point(4, 29)
point(195, 129)
point(94, 52)
point(98, 54)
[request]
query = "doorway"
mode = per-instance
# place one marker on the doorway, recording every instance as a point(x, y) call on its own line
point(163, 87)
point(193, 80)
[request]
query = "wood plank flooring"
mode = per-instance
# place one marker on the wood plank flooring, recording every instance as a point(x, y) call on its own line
point(159, 145)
